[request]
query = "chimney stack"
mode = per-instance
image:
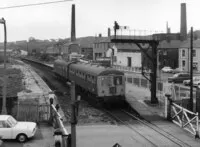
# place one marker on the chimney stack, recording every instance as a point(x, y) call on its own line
point(168, 30)
point(183, 28)
point(108, 32)
point(73, 25)
point(167, 27)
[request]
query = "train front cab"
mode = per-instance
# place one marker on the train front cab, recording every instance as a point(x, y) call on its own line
point(111, 88)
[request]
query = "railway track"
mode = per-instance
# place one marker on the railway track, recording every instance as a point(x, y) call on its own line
point(150, 132)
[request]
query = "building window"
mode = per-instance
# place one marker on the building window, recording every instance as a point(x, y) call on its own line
point(195, 66)
point(183, 63)
point(194, 53)
point(183, 53)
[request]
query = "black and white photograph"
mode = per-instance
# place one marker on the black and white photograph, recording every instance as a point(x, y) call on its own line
point(99, 73)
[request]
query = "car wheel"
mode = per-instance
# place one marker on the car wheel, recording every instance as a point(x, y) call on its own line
point(21, 138)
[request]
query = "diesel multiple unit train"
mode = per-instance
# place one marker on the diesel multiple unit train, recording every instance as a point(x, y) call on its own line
point(105, 84)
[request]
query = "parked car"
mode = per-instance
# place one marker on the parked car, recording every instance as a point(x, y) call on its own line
point(177, 70)
point(196, 83)
point(167, 69)
point(196, 80)
point(179, 77)
point(10, 128)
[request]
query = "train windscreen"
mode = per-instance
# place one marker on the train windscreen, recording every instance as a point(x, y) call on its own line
point(111, 81)
point(117, 80)
point(107, 81)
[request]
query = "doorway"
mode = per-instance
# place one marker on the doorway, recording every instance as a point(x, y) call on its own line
point(129, 61)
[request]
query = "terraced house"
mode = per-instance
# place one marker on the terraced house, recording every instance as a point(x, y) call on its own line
point(184, 55)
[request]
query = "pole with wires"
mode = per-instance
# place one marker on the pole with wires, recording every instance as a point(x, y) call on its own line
point(191, 70)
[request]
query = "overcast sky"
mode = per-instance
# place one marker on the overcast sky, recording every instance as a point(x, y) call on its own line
point(93, 17)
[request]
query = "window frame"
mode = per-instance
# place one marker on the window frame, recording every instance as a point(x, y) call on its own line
point(183, 53)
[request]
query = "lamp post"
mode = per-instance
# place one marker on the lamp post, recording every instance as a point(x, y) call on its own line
point(4, 110)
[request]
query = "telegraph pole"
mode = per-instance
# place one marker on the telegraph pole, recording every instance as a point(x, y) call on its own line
point(73, 114)
point(4, 110)
point(191, 70)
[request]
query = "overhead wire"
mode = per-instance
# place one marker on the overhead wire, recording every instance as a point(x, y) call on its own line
point(28, 5)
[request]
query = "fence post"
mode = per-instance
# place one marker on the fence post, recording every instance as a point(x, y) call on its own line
point(197, 126)
point(58, 138)
point(179, 94)
point(169, 104)
point(51, 111)
point(140, 81)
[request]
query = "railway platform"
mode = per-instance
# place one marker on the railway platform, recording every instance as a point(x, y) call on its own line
point(136, 97)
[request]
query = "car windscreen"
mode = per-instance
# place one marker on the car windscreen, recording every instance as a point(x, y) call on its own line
point(175, 75)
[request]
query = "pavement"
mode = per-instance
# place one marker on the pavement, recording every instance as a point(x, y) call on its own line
point(136, 97)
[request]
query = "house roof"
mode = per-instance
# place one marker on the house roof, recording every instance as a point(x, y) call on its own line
point(186, 44)
point(51, 49)
point(101, 39)
point(170, 44)
point(84, 42)
point(127, 46)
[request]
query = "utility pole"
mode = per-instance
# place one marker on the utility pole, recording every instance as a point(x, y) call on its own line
point(73, 114)
point(191, 70)
point(158, 63)
point(153, 74)
point(4, 110)
point(27, 48)
point(116, 27)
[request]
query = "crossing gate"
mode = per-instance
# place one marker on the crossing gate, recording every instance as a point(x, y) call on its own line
point(186, 119)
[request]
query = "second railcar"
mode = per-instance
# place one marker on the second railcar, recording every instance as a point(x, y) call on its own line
point(106, 84)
